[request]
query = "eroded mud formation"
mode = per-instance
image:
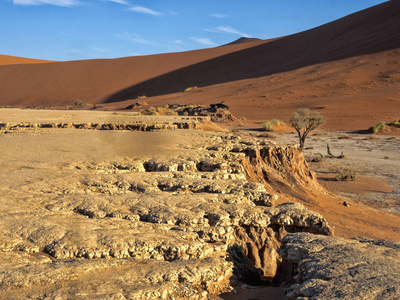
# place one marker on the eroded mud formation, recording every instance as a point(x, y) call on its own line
point(192, 123)
point(336, 268)
point(183, 226)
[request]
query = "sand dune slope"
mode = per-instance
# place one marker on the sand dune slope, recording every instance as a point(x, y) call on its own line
point(63, 83)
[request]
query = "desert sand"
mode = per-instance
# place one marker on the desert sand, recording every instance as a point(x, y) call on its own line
point(106, 196)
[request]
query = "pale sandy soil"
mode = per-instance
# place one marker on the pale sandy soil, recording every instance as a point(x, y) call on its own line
point(372, 158)
point(36, 162)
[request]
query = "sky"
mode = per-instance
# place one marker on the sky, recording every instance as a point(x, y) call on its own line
point(87, 29)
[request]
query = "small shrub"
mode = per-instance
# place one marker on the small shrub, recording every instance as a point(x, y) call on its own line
point(395, 123)
point(79, 103)
point(345, 174)
point(269, 124)
point(95, 106)
point(378, 127)
point(317, 157)
point(163, 111)
point(267, 135)
point(141, 97)
point(191, 88)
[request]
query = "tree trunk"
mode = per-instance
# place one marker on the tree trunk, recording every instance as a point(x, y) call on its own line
point(302, 141)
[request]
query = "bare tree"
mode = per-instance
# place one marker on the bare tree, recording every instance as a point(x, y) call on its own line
point(305, 121)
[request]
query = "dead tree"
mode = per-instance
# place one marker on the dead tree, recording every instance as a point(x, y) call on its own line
point(331, 154)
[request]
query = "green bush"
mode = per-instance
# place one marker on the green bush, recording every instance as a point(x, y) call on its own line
point(191, 88)
point(269, 124)
point(378, 127)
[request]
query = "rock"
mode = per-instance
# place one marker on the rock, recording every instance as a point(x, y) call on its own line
point(336, 268)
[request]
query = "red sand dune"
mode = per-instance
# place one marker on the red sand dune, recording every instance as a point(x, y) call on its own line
point(349, 69)
point(14, 60)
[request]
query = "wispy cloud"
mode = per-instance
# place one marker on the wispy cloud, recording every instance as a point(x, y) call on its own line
point(104, 50)
point(178, 42)
point(64, 3)
point(123, 2)
point(171, 12)
point(136, 38)
point(145, 10)
point(227, 29)
point(217, 15)
point(203, 41)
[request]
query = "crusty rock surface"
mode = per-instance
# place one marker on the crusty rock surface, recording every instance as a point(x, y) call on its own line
point(336, 268)
point(133, 215)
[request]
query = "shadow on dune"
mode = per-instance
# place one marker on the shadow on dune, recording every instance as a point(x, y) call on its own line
point(372, 30)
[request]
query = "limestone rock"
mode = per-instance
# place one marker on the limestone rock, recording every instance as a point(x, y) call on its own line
point(336, 268)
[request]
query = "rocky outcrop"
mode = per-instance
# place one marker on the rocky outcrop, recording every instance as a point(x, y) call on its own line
point(336, 268)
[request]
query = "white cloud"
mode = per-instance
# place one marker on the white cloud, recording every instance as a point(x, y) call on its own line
point(64, 3)
point(123, 2)
point(203, 41)
point(145, 10)
point(227, 29)
point(171, 12)
point(133, 37)
point(178, 42)
point(217, 15)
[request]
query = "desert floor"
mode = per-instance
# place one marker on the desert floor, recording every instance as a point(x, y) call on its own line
point(40, 162)
point(374, 205)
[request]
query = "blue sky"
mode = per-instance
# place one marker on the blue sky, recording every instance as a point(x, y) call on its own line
point(85, 29)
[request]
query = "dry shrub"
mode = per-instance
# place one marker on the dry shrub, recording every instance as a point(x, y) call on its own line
point(345, 174)
point(269, 124)
point(267, 135)
point(316, 157)
point(159, 111)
